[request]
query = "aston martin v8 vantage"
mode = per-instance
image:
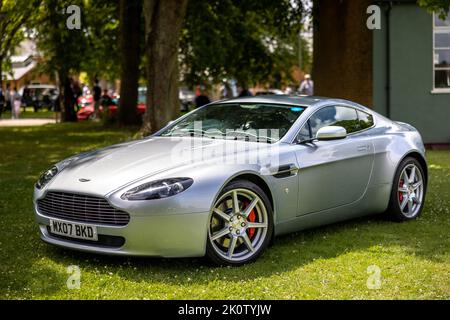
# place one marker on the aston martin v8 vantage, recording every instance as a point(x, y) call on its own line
point(223, 180)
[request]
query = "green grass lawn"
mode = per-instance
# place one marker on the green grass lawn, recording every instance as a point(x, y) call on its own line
point(30, 114)
point(325, 263)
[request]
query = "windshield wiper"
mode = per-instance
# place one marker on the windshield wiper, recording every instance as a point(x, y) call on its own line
point(192, 133)
point(247, 134)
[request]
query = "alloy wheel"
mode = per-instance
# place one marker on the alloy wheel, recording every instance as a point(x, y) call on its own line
point(238, 225)
point(410, 190)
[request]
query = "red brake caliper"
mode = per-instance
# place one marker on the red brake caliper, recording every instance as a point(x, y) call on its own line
point(400, 194)
point(251, 218)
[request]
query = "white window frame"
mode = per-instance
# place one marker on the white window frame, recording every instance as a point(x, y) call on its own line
point(438, 30)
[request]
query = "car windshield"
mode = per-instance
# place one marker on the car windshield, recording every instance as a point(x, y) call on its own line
point(34, 92)
point(259, 122)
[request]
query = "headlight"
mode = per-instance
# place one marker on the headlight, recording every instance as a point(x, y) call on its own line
point(158, 189)
point(52, 172)
point(46, 177)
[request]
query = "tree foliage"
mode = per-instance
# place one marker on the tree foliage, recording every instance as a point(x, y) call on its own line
point(62, 47)
point(13, 16)
point(102, 57)
point(250, 41)
point(93, 48)
point(441, 7)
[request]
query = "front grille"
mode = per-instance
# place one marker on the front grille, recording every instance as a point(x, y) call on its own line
point(81, 208)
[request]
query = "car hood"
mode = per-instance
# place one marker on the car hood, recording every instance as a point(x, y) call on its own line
point(108, 169)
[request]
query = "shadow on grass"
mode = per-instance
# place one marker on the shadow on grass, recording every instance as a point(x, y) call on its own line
point(288, 253)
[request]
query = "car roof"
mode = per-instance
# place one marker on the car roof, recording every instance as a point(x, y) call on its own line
point(306, 101)
point(40, 86)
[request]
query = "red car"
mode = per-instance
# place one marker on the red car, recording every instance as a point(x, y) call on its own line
point(87, 107)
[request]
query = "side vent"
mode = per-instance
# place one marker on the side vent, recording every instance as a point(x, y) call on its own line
point(286, 170)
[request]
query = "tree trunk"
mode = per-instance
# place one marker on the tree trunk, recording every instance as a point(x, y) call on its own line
point(163, 22)
point(60, 101)
point(130, 25)
point(1, 72)
point(342, 50)
point(2, 98)
point(68, 114)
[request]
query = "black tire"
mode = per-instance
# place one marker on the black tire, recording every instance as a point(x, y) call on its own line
point(214, 256)
point(394, 211)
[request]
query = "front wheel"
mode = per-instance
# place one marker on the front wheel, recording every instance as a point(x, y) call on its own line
point(408, 191)
point(240, 225)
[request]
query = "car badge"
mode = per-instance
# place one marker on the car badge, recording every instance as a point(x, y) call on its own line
point(84, 180)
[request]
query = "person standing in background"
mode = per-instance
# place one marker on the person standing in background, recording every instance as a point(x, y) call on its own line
point(2, 101)
point(307, 86)
point(245, 92)
point(17, 102)
point(106, 100)
point(8, 100)
point(86, 90)
point(226, 92)
point(68, 102)
point(97, 94)
point(202, 97)
point(77, 92)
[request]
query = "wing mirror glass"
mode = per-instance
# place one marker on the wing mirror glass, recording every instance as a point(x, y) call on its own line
point(331, 133)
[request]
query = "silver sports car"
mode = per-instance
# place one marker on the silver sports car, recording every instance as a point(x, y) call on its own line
point(225, 179)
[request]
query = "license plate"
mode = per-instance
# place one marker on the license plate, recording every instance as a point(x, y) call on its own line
point(74, 230)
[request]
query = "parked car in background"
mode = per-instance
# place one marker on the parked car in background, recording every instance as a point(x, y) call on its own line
point(86, 107)
point(85, 101)
point(142, 100)
point(40, 96)
point(186, 97)
point(87, 104)
point(269, 92)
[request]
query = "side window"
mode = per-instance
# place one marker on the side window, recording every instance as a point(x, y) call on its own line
point(347, 118)
point(365, 120)
point(335, 116)
point(304, 133)
point(441, 50)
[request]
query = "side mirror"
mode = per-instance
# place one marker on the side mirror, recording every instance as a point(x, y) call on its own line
point(331, 133)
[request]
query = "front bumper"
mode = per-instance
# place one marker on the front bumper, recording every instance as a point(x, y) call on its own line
point(170, 235)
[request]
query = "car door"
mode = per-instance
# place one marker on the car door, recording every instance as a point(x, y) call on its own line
point(335, 172)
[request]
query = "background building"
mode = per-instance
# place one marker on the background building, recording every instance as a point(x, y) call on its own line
point(24, 67)
point(401, 70)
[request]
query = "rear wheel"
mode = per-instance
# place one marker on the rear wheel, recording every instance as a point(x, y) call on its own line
point(408, 191)
point(240, 225)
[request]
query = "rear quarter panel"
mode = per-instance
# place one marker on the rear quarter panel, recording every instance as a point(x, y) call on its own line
point(392, 143)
